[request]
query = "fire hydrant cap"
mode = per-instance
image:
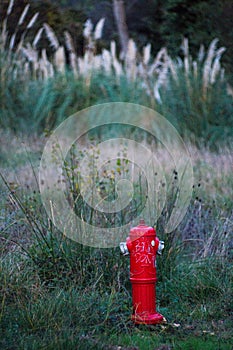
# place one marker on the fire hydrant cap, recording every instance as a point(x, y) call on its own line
point(141, 230)
point(142, 222)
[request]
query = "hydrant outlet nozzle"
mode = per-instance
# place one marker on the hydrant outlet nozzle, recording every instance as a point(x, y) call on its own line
point(123, 248)
point(160, 247)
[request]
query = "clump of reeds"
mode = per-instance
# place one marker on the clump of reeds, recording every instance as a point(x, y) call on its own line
point(154, 73)
point(12, 46)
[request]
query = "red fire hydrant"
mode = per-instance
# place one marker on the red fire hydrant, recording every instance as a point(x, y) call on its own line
point(143, 245)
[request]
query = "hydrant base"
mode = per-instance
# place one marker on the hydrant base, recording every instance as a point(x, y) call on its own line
point(155, 318)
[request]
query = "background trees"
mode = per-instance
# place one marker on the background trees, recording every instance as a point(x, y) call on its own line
point(200, 21)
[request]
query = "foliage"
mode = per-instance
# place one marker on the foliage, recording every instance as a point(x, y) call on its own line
point(200, 22)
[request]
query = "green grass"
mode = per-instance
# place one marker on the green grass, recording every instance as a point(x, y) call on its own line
point(34, 106)
point(37, 312)
point(37, 106)
point(204, 119)
point(36, 316)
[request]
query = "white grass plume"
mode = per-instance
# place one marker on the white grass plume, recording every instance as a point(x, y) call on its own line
point(106, 61)
point(9, 9)
point(69, 42)
point(216, 68)
point(130, 60)
point(215, 71)
point(131, 51)
point(146, 54)
point(115, 63)
point(72, 55)
point(113, 48)
point(99, 29)
point(88, 27)
point(30, 53)
point(12, 41)
point(44, 55)
point(222, 74)
point(51, 36)
point(43, 69)
point(37, 37)
point(3, 38)
point(45, 66)
point(97, 62)
point(59, 59)
point(208, 64)
point(201, 53)
point(73, 63)
point(158, 61)
point(23, 15)
point(185, 48)
point(33, 20)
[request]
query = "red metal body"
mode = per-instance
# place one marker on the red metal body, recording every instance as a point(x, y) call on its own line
point(142, 246)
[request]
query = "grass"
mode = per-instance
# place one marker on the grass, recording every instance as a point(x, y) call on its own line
point(36, 315)
point(48, 103)
point(56, 293)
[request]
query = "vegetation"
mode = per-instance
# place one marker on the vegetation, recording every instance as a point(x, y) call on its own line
point(192, 93)
point(56, 293)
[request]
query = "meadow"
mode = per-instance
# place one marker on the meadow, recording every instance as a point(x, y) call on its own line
point(58, 294)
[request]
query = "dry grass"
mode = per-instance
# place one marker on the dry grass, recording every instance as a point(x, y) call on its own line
point(211, 169)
